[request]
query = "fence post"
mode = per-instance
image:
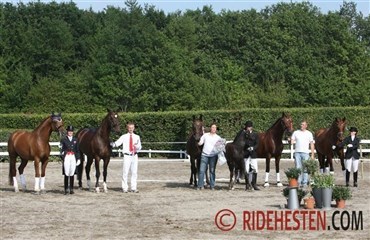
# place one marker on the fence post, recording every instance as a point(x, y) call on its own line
point(150, 153)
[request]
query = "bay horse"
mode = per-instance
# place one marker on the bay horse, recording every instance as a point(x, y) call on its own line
point(325, 138)
point(32, 146)
point(271, 145)
point(193, 149)
point(95, 144)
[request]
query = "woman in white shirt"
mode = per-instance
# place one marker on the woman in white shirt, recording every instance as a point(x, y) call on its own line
point(209, 156)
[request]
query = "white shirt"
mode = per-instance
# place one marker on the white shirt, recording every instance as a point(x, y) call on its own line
point(124, 140)
point(302, 140)
point(209, 140)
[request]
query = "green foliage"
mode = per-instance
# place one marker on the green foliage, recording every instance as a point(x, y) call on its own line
point(341, 193)
point(54, 55)
point(323, 181)
point(311, 166)
point(301, 193)
point(292, 173)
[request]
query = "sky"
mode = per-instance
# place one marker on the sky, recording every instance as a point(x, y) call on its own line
point(169, 6)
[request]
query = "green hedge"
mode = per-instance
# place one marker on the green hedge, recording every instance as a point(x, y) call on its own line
point(174, 126)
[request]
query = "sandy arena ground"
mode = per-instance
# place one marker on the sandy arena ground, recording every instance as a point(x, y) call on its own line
point(166, 207)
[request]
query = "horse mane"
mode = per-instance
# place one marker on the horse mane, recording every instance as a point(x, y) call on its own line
point(42, 124)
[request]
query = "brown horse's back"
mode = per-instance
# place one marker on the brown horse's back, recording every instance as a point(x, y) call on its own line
point(321, 144)
point(23, 144)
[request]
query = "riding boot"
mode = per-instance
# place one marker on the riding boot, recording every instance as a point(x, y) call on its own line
point(248, 186)
point(355, 179)
point(347, 178)
point(65, 185)
point(254, 182)
point(71, 182)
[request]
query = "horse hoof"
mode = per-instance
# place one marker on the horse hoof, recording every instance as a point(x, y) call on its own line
point(266, 184)
point(331, 173)
point(43, 191)
point(16, 190)
point(97, 190)
point(279, 184)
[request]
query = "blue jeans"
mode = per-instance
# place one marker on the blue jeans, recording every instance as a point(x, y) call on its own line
point(204, 161)
point(300, 157)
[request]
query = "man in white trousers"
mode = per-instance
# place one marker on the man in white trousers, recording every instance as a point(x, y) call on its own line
point(131, 144)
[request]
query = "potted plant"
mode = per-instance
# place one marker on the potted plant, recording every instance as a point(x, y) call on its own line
point(292, 175)
point(340, 195)
point(322, 190)
point(300, 192)
point(311, 167)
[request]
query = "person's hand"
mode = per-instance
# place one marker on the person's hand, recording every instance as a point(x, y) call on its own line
point(112, 144)
point(250, 149)
point(333, 147)
point(78, 162)
point(349, 145)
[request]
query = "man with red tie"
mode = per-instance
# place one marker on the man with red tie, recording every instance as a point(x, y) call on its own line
point(131, 144)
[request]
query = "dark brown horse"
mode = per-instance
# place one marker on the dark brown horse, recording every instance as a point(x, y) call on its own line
point(271, 144)
point(95, 144)
point(193, 149)
point(235, 152)
point(32, 146)
point(325, 139)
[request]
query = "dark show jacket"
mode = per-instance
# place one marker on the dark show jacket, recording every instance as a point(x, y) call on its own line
point(351, 151)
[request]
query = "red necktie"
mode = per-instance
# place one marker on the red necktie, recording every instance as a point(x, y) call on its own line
point(131, 144)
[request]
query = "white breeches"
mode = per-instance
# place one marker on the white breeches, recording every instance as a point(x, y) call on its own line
point(252, 163)
point(69, 165)
point(352, 164)
point(129, 163)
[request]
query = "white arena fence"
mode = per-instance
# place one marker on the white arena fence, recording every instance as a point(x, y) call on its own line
point(288, 150)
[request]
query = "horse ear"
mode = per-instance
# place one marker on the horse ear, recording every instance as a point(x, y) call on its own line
point(201, 117)
point(344, 119)
point(193, 117)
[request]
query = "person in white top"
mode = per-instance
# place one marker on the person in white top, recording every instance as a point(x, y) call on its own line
point(209, 156)
point(304, 144)
point(131, 144)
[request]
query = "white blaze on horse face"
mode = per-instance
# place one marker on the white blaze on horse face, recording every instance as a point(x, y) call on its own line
point(116, 116)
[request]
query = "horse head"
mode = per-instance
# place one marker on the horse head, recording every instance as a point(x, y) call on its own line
point(197, 128)
point(340, 125)
point(114, 120)
point(57, 122)
point(287, 123)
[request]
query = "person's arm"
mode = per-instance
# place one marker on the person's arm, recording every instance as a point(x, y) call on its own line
point(312, 144)
point(137, 144)
point(117, 143)
point(201, 141)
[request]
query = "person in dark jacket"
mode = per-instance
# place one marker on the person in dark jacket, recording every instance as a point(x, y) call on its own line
point(71, 158)
point(352, 156)
point(250, 156)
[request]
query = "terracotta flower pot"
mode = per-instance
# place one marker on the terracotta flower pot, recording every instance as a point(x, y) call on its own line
point(293, 182)
point(309, 203)
point(341, 203)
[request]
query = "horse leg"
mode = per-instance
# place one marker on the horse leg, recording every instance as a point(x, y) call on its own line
point(330, 165)
point(21, 175)
point(43, 172)
point(267, 172)
point(231, 169)
point(87, 169)
point(97, 174)
point(192, 170)
point(321, 161)
point(277, 167)
point(37, 175)
point(105, 173)
point(341, 157)
point(13, 172)
point(80, 171)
